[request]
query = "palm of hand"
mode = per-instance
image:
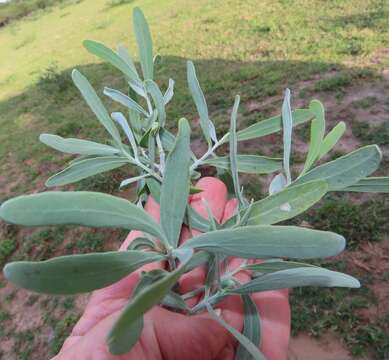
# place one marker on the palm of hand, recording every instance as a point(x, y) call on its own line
point(169, 335)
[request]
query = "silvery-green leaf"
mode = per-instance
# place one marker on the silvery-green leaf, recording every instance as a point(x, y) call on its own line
point(122, 121)
point(123, 99)
point(141, 243)
point(138, 88)
point(74, 274)
point(158, 99)
point(201, 105)
point(110, 56)
point(145, 44)
point(243, 340)
point(200, 258)
point(169, 92)
point(77, 146)
point(117, 340)
point(261, 241)
point(346, 170)
point(174, 301)
point(251, 327)
point(132, 180)
point(290, 278)
point(287, 125)
point(77, 208)
point(167, 139)
point(175, 185)
point(85, 168)
point(234, 151)
point(95, 104)
point(277, 184)
point(250, 164)
point(372, 184)
point(332, 138)
point(300, 198)
point(134, 117)
point(318, 126)
point(196, 221)
point(273, 124)
point(154, 187)
point(275, 265)
point(127, 58)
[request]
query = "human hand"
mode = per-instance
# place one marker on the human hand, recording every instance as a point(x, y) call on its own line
point(170, 335)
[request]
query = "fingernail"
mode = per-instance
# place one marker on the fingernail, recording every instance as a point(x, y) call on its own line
point(218, 312)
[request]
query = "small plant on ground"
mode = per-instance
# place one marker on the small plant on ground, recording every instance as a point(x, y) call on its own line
point(166, 169)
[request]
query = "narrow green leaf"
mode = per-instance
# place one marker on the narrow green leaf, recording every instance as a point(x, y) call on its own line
point(142, 302)
point(158, 99)
point(127, 58)
point(77, 146)
point(318, 127)
point(201, 105)
point(250, 164)
point(75, 274)
point(174, 301)
point(123, 99)
point(175, 186)
point(372, 184)
point(290, 278)
point(145, 44)
point(332, 138)
point(251, 328)
point(270, 210)
point(273, 124)
point(287, 125)
point(78, 208)
point(122, 121)
point(167, 139)
point(105, 53)
point(272, 265)
point(141, 243)
point(196, 221)
point(85, 168)
point(258, 242)
point(200, 258)
point(277, 184)
point(169, 92)
point(95, 104)
point(132, 180)
point(234, 152)
point(346, 170)
point(243, 340)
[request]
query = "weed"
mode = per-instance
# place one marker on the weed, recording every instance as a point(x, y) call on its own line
point(366, 133)
point(333, 83)
point(115, 3)
point(53, 82)
point(349, 219)
point(7, 247)
point(338, 310)
point(61, 331)
point(365, 103)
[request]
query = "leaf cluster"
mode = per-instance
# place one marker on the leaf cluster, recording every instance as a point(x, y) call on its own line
point(166, 169)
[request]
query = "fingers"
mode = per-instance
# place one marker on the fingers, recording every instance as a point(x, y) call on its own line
point(105, 301)
point(230, 209)
point(274, 310)
point(215, 193)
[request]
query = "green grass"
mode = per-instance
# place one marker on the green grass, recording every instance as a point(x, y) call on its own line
point(357, 222)
point(17, 9)
point(315, 311)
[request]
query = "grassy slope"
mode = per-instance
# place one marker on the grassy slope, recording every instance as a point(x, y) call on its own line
point(254, 48)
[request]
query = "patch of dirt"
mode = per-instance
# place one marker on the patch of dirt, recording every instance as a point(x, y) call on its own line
point(327, 347)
